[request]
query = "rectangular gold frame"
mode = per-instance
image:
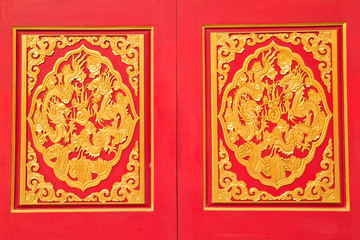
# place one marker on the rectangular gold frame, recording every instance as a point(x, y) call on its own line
point(336, 130)
point(23, 134)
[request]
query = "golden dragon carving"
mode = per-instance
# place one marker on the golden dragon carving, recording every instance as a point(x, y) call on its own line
point(126, 48)
point(274, 115)
point(82, 117)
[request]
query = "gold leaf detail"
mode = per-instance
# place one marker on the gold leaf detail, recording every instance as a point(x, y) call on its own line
point(126, 48)
point(229, 46)
point(40, 190)
point(81, 114)
point(126, 189)
point(271, 112)
point(39, 49)
point(230, 188)
point(317, 44)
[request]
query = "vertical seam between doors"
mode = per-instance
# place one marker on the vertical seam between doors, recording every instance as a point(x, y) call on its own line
point(176, 118)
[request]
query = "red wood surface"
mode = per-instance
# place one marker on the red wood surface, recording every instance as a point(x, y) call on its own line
point(116, 225)
point(194, 222)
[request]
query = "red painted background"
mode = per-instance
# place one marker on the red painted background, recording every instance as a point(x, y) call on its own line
point(178, 67)
point(116, 225)
point(251, 225)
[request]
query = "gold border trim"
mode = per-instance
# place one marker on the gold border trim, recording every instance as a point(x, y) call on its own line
point(122, 207)
point(326, 24)
point(152, 119)
point(346, 129)
point(13, 133)
point(85, 28)
point(343, 48)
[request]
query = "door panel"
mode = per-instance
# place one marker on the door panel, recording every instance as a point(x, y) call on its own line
point(152, 215)
point(178, 110)
point(274, 118)
point(80, 114)
point(202, 215)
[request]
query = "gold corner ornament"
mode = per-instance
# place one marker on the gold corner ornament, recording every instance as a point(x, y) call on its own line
point(126, 48)
point(274, 115)
point(317, 44)
point(321, 188)
point(97, 104)
point(40, 190)
point(41, 47)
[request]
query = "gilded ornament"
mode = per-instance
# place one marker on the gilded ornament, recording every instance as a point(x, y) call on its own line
point(229, 46)
point(317, 44)
point(321, 188)
point(82, 117)
point(38, 190)
point(41, 47)
point(274, 115)
point(126, 48)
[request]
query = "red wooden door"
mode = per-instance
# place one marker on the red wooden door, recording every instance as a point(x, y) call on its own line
point(155, 215)
point(218, 197)
point(181, 206)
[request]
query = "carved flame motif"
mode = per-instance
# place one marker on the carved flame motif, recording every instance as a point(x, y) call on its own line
point(274, 115)
point(82, 117)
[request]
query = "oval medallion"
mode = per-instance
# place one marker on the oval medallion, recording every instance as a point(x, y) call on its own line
point(82, 117)
point(274, 115)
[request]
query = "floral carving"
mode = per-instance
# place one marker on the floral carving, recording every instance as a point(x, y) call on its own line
point(321, 188)
point(38, 190)
point(41, 47)
point(229, 45)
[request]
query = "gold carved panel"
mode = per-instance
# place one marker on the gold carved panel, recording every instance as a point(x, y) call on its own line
point(82, 114)
point(274, 118)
